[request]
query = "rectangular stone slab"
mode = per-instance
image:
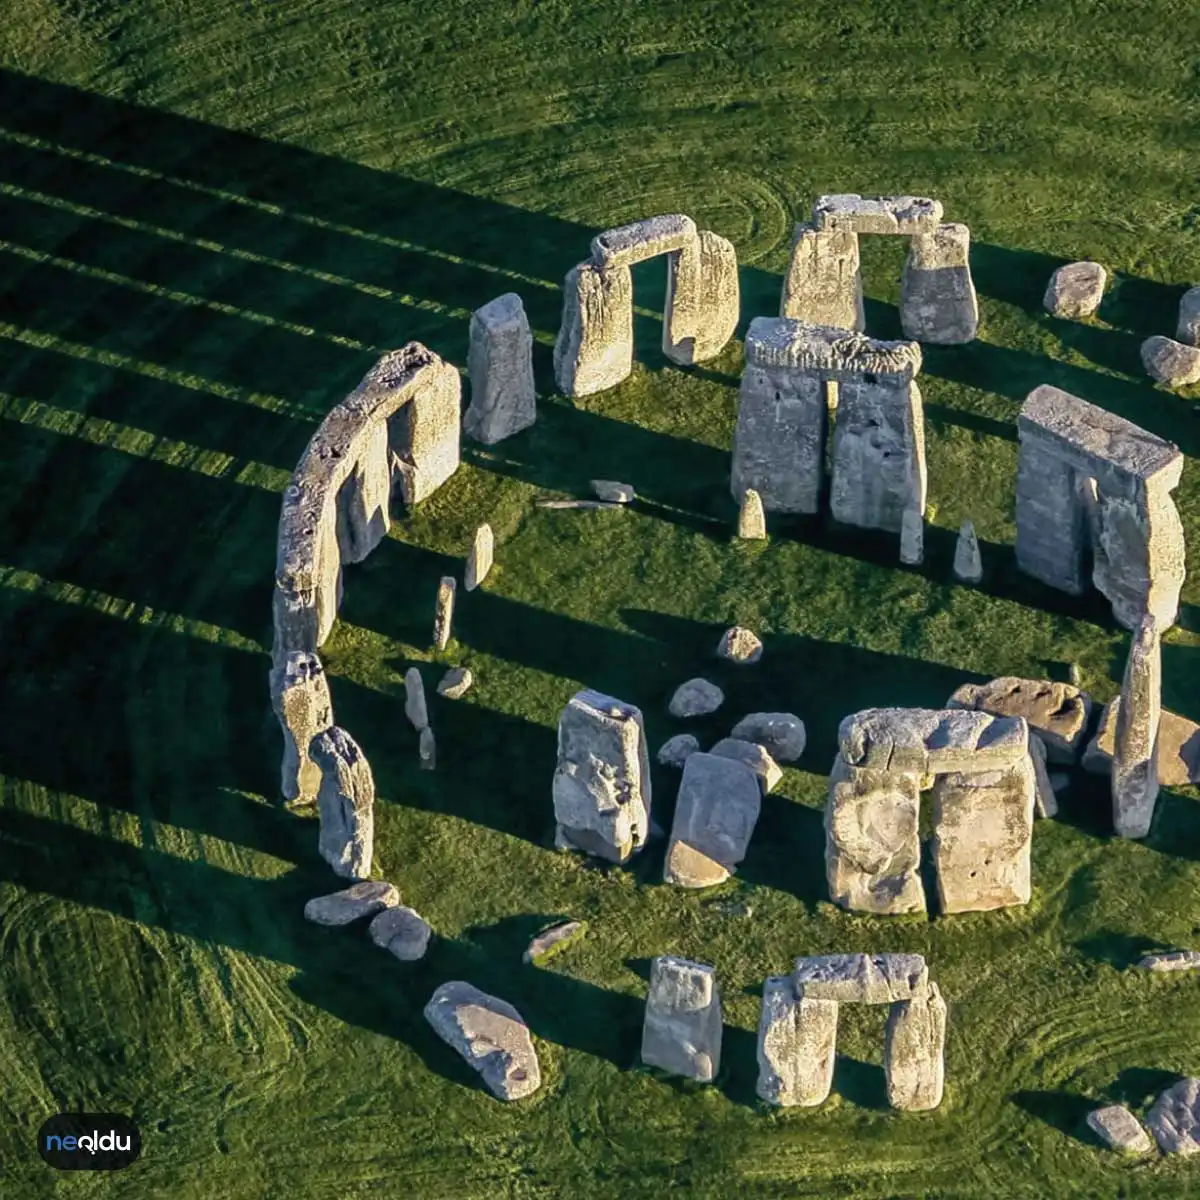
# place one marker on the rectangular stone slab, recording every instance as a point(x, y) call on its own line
point(827, 352)
point(929, 740)
point(1057, 712)
point(877, 214)
point(861, 978)
point(823, 285)
point(914, 1052)
point(640, 240)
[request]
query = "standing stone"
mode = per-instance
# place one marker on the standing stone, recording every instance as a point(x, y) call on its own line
point(912, 537)
point(1174, 1118)
point(500, 365)
point(415, 708)
point(703, 299)
point(601, 785)
point(1171, 363)
point(443, 613)
point(752, 521)
point(345, 803)
point(968, 564)
point(937, 295)
point(718, 806)
point(594, 348)
point(1135, 766)
point(490, 1034)
point(1119, 1129)
point(696, 698)
point(1188, 329)
point(300, 698)
point(797, 1043)
point(427, 750)
point(1058, 713)
point(456, 683)
point(1045, 794)
point(1075, 291)
point(739, 645)
point(754, 756)
point(479, 561)
point(823, 285)
point(403, 931)
point(682, 1028)
point(914, 1052)
point(783, 734)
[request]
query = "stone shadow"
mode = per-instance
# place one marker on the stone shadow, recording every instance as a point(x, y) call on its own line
point(861, 1083)
point(1063, 1111)
point(1118, 950)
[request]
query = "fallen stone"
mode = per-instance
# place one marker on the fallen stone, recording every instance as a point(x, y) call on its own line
point(752, 521)
point(1057, 712)
point(682, 1028)
point(481, 558)
point(937, 295)
point(674, 752)
point(696, 698)
point(1177, 748)
point(968, 565)
point(797, 1043)
point(912, 537)
point(914, 1046)
point(553, 939)
point(861, 978)
point(345, 803)
point(300, 698)
point(781, 734)
point(877, 214)
point(1075, 291)
point(1135, 757)
point(415, 708)
point(581, 504)
point(930, 740)
point(1119, 1130)
point(755, 757)
point(402, 931)
point(703, 300)
point(823, 285)
point(1173, 960)
point(490, 1034)
point(634, 243)
point(427, 750)
point(359, 900)
point(718, 806)
point(594, 347)
point(1188, 329)
point(1171, 363)
point(612, 492)
point(1045, 797)
point(740, 646)
point(443, 613)
point(456, 683)
point(500, 365)
point(1174, 1119)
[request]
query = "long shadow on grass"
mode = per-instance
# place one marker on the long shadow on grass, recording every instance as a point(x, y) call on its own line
point(1063, 1111)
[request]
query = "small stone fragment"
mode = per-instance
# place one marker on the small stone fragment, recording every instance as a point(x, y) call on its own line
point(1075, 291)
point(1119, 1130)
point(415, 708)
point(612, 492)
point(797, 1043)
point(682, 1028)
point(1173, 960)
point(914, 1052)
point(359, 900)
point(427, 750)
point(456, 683)
point(696, 698)
point(490, 1035)
point(740, 646)
point(443, 613)
point(300, 697)
point(752, 521)
point(402, 931)
point(674, 752)
point(345, 803)
point(479, 561)
point(1174, 1119)
point(1188, 329)
point(968, 565)
point(912, 537)
point(753, 756)
point(553, 939)
point(782, 734)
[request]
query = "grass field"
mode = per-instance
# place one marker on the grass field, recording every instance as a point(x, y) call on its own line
point(213, 217)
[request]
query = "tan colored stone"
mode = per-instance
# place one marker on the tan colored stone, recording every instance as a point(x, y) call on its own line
point(715, 814)
point(861, 978)
point(1057, 712)
point(300, 698)
point(797, 1042)
point(443, 612)
point(345, 803)
point(755, 757)
point(914, 1052)
point(740, 645)
point(479, 561)
point(752, 521)
point(823, 285)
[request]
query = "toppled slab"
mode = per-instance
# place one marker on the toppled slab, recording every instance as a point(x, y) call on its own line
point(877, 214)
point(500, 365)
point(579, 504)
point(345, 803)
point(696, 698)
point(740, 645)
point(359, 900)
point(553, 939)
point(754, 756)
point(782, 735)
point(1171, 960)
point(674, 752)
point(823, 285)
point(402, 931)
point(634, 243)
point(456, 683)
point(914, 1063)
point(1171, 363)
point(300, 698)
point(718, 806)
point(861, 978)
point(828, 353)
point(928, 740)
point(1058, 713)
point(797, 1044)
point(1174, 1119)
point(1075, 290)
point(490, 1034)
point(682, 1029)
point(1119, 1130)
point(1177, 754)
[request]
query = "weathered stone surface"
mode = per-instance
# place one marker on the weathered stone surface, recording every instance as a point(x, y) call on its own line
point(872, 847)
point(490, 1034)
point(1178, 747)
point(456, 683)
point(594, 348)
point(983, 824)
point(585, 505)
point(481, 558)
point(1119, 1130)
point(1075, 290)
point(1174, 1118)
point(500, 365)
point(1060, 781)
point(1188, 329)
point(861, 978)
point(300, 698)
point(912, 537)
point(612, 492)
point(1045, 796)
point(553, 939)
point(359, 900)
point(740, 645)
point(674, 752)
point(415, 708)
point(402, 931)
point(782, 734)
point(1171, 363)
point(682, 1029)
point(928, 740)
point(752, 521)
point(601, 785)
point(829, 354)
point(715, 814)
point(427, 750)
point(443, 611)
point(1135, 761)
point(634, 243)
point(937, 295)
point(363, 499)
point(696, 698)
point(345, 803)
point(823, 285)
point(968, 564)
point(754, 756)
point(703, 299)
point(797, 1042)
point(1057, 712)
point(877, 214)
point(914, 1046)
point(1173, 960)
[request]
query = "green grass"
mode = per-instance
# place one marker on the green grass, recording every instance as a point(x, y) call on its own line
point(213, 217)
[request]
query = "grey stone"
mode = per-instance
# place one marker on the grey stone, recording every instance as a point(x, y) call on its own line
point(937, 295)
point(1171, 363)
point(443, 612)
point(601, 786)
point(300, 698)
point(580, 504)
point(1045, 794)
point(1174, 1118)
point(752, 521)
point(402, 931)
point(490, 1034)
point(703, 299)
point(359, 900)
point(500, 365)
point(797, 1042)
point(1135, 761)
point(427, 750)
point(1075, 290)
point(827, 353)
point(914, 1052)
point(912, 537)
point(612, 492)
point(715, 814)
point(594, 348)
point(1177, 747)
point(740, 645)
point(345, 803)
point(456, 683)
point(1173, 960)
point(415, 708)
point(696, 698)
point(823, 285)
point(553, 939)
point(640, 240)
point(1188, 329)
point(674, 752)
point(968, 565)
point(682, 1028)
point(861, 978)
point(753, 756)
point(1119, 1130)
point(877, 214)
point(1057, 712)
point(929, 740)
point(481, 558)
point(782, 734)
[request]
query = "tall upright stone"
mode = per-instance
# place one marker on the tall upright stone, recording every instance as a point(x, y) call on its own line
point(500, 365)
point(363, 500)
point(415, 707)
point(1135, 767)
point(797, 1044)
point(823, 285)
point(300, 698)
point(345, 802)
point(914, 1052)
point(752, 521)
point(682, 1029)
point(937, 295)
point(703, 299)
point(443, 613)
point(479, 561)
point(968, 564)
point(594, 348)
